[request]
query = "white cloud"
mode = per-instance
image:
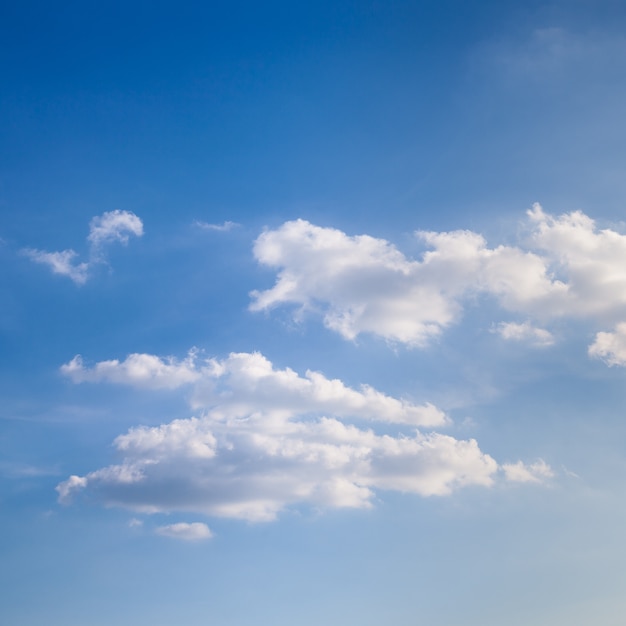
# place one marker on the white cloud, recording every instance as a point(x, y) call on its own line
point(535, 473)
point(245, 382)
point(359, 284)
point(195, 531)
point(61, 263)
point(224, 227)
point(269, 439)
point(524, 332)
point(104, 229)
point(141, 370)
point(66, 488)
point(610, 347)
point(592, 263)
point(365, 285)
point(262, 463)
point(114, 226)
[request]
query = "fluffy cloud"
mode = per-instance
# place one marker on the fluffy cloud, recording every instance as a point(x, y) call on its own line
point(195, 531)
point(247, 382)
point(141, 370)
point(114, 226)
point(269, 439)
point(104, 229)
point(610, 347)
point(360, 284)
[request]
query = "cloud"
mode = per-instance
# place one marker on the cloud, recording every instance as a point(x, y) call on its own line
point(365, 285)
point(225, 227)
point(195, 531)
point(521, 473)
point(114, 226)
point(269, 439)
point(141, 370)
point(248, 382)
point(104, 229)
point(524, 332)
point(66, 488)
point(565, 267)
point(610, 347)
point(61, 263)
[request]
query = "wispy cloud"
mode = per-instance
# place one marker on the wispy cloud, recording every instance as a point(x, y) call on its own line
point(223, 228)
point(104, 229)
point(62, 263)
point(268, 439)
point(553, 53)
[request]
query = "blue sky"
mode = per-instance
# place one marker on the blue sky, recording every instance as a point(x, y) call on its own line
point(312, 313)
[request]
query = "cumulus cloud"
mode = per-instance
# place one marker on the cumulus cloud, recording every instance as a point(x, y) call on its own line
point(524, 332)
point(365, 285)
point(269, 439)
point(104, 229)
point(610, 347)
point(196, 531)
point(565, 267)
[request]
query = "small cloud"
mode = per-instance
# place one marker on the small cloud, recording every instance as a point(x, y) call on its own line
point(521, 473)
point(525, 332)
point(66, 488)
point(196, 531)
point(114, 226)
point(610, 347)
point(135, 523)
point(60, 263)
point(222, 228)
point(104, 229)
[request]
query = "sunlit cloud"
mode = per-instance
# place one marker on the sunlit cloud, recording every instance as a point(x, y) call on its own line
point(564, 267)
point(268, 439)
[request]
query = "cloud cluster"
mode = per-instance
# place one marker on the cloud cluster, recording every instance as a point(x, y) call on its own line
point(104, 229)
point(267, 439)
point(360, 284)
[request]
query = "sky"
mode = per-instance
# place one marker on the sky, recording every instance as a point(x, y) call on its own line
point(312, 313)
